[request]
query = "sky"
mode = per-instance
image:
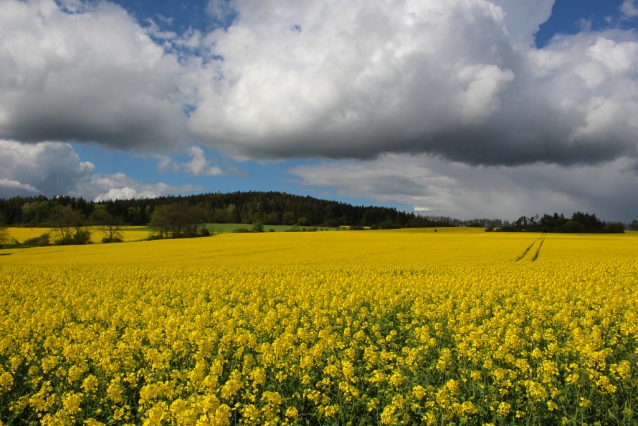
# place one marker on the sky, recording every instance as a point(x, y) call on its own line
point(462, 108)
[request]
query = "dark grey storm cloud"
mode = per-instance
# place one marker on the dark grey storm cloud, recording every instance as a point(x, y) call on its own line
point(91, 75)
point(461, 80)
point(437, 187)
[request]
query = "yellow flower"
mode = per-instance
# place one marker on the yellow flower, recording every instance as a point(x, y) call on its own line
point(291, 412)
point(503, 409)
point(89, 384)
point(373, 404)
point(6, 380)
point(331, 410)
point(419, 392)
point(387, 416)
point(71, 402)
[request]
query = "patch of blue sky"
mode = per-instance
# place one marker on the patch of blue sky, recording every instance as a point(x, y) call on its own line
point(111, 162)
point(237, 176)
point(574, 16)
point(179, 16)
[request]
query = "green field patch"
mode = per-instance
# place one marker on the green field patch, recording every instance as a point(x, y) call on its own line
point(221, 228)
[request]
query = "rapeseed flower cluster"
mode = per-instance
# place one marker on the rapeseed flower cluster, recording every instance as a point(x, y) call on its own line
point(509, 342)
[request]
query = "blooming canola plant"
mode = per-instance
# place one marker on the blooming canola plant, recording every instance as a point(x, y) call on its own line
point(389, 327)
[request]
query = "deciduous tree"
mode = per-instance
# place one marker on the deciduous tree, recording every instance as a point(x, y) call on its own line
point(111, 226)
point(5, 238)
point(176, 220)
point(69, 225)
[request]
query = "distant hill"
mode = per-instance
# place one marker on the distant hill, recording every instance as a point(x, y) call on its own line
point(279, 208)
point(270, 208)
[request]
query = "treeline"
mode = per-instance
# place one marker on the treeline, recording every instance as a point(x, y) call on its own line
point(174, 217)
point(578, 223)
point(268, 208)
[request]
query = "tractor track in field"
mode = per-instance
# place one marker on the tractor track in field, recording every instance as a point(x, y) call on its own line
point(522, 256)
point(538, 252)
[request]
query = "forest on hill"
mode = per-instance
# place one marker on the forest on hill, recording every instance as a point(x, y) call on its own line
point(579, 223)
point(269, 208)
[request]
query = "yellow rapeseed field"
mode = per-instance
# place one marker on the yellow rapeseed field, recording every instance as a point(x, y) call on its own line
point(129, 233)
point(372, 327)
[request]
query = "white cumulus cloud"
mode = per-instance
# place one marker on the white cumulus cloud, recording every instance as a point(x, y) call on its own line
point(86, 72)
point(460, 79)
point(198, 165)
point(119, 186)
point(54, 168)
